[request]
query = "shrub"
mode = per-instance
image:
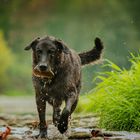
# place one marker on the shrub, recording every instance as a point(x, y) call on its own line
point(116, 98)
point(6, 58)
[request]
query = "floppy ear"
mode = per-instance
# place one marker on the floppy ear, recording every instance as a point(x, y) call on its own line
point(61, 46)
point(32, 44)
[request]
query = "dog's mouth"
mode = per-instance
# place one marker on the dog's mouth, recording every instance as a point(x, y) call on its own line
point(44, 74)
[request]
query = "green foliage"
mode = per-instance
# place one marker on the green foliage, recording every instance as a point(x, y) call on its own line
point(116, 98)
point(6, 59)
point(77, 22)
point(16, 92)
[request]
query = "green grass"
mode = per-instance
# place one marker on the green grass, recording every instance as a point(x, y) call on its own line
point(16, 93)
point(116, 98)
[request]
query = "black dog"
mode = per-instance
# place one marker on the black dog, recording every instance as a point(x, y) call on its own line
point(57, 78)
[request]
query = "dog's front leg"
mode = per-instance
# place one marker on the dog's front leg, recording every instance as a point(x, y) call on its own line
point(41, 107)
point(56, 111)
point(63, 122)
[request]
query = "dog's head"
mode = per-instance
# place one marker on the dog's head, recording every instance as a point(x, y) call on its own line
point(48, 53)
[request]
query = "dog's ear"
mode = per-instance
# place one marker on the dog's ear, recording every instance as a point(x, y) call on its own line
point(32, 44)
point(61, 46)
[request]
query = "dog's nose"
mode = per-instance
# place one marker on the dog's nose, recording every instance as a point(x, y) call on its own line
point(42, 67)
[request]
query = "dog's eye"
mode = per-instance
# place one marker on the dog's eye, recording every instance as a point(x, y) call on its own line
point(51, 51)
point(39, 51)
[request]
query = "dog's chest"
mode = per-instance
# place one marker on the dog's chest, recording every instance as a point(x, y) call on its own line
point(54, 89)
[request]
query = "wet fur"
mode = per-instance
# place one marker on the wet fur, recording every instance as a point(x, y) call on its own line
point(65, 85)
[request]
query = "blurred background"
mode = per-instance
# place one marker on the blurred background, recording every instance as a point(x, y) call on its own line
point(77, 22)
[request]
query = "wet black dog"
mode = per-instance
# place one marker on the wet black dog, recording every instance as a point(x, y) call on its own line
point(57, 78)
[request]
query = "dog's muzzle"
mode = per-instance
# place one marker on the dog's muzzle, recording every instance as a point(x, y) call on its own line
point(43, 71)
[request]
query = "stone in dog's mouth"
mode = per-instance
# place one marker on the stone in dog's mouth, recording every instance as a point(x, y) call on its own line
point(46, 74)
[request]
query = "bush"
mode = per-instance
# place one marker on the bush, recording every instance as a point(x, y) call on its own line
point(6, 59)
point(116, 98)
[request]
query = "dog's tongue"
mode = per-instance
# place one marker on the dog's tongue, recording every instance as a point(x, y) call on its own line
point(48, 74)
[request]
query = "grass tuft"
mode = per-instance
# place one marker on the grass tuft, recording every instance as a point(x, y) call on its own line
point(116, 98)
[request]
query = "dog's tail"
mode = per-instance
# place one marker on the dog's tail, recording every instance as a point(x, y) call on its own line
point(92, 55)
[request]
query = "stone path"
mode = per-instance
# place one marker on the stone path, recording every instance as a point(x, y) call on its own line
point(25, 127)
point(19, 113)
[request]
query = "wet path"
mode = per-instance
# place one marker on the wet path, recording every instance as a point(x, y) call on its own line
point(24, 125)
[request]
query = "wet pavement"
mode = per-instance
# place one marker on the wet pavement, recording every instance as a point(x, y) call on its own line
point(25, 127)
point(19, 113)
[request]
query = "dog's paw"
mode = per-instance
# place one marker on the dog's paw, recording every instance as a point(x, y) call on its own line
point(63, 122)
point(62, 126)
point(98, 44)
point(42, 134)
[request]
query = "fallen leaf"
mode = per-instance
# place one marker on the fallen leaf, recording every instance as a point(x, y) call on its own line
point(3, 135)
